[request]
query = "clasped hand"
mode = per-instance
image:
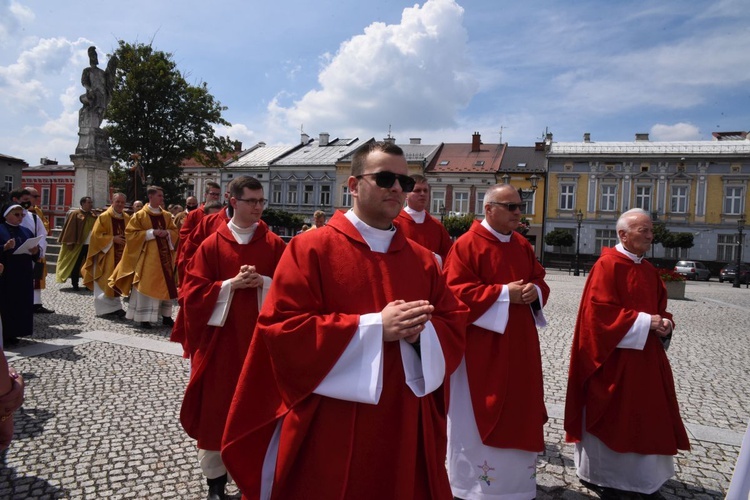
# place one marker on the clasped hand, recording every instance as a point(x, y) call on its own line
point(405, 320)
point(661, 326)
point(247, 278)
point(521, 293)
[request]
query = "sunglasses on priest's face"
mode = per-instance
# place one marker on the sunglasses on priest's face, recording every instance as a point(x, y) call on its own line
point(386, 179)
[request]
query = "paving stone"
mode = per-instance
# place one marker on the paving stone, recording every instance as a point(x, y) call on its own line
point(100, 418)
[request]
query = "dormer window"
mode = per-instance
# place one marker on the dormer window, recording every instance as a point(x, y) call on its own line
point(444, 163)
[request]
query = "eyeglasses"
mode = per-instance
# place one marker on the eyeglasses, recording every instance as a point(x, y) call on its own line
point(512, 207)
point(213, 193)
point(254, 201)
point(386, 179)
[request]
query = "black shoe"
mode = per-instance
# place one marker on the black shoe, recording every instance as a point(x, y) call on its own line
point(40, 309)
point(114, 314)
point(167, 321)
point(216, 488)
point(652, 496)
point(11, 341)
point(145, 325)
point(76, 287)
point(606, 493)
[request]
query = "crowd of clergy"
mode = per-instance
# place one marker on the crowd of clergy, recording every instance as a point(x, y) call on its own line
point(374, 357)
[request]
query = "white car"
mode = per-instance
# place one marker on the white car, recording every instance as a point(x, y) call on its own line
point(693, 270)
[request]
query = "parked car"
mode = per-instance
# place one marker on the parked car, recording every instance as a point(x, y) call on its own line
point(693, 270)
point(729, 271)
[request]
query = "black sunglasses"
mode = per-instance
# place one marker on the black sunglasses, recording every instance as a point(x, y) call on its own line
point(512, 207)
point(386, 179)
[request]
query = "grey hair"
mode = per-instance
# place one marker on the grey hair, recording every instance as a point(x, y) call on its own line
point(626, 219)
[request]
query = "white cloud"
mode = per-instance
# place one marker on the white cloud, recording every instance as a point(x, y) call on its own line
point(676, 132)
point(13, 16)
point(238, 132)
point(412, 75)
point(25, 83)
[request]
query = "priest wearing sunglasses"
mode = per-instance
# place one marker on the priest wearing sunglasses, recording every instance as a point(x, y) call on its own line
point(497, 413)
point(342, 392)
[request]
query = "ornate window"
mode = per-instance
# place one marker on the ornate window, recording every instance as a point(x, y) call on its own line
point(325, 196)
point(567, 196)
point(608, 200)
point(605, 238)
point(307, 194)
point(643, 197)
point(679, 200)
point(461, 202)
point(726, 245)
point(733, 197)
point(276, 193)
point(346, 197)
point(437, 200)
point(291, 194)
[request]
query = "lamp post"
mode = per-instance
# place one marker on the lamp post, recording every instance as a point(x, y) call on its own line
point(740, 228)
point(579, 220)
point(442, 212)
point(505, 178)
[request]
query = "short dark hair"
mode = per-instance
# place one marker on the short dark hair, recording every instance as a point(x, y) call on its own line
point(360, 155)
point(212, 184)
point(419, 179)
point(17, 193)
point(152, 190)
point(83, 200)
point(238, 185)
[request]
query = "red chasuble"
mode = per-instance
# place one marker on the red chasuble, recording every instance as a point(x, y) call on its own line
point(191, 222)
point(628, 394)
point(217, 353)
point(430, 234)
point(207, 226)
point(332, 448)
point(504, 370)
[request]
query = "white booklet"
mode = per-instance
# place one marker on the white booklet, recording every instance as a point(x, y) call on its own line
point(28, 245)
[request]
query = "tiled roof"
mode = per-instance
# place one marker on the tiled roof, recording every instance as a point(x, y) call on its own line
point(648, 147)
point(10, 158)
point(315, 154)
point(261, 156)
point(459, 158)
point(523, 159)
point(47, 168)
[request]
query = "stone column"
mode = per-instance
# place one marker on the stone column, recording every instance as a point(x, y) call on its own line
point(91, 179)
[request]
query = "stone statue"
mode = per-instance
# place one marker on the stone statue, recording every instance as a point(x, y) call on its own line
point(136, 180)
point(99, 85)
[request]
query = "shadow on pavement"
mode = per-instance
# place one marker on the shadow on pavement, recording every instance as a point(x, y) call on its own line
point(15, 487)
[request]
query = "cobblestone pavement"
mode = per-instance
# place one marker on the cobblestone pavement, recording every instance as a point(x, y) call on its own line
point(103, 397)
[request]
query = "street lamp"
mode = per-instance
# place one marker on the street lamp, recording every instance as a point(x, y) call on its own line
point(505, 178)
point(740, 228)
point(442, 212)
point(579, 219)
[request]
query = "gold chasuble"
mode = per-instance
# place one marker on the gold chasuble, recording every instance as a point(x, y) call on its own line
point(103, 254)
point(147, 266)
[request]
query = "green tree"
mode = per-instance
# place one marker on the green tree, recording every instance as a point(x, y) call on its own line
point(679, 240)
point(559, 238)
point(282, 218)
point(456, 225)
point(157, 113)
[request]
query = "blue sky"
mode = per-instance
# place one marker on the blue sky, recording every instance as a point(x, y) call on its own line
point(439, 69)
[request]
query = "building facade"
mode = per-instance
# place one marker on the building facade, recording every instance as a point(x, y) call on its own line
point(11, 172)
point(697, 187)
point(55, 184)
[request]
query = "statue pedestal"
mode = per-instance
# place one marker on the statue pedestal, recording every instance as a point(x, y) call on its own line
point(92, 179)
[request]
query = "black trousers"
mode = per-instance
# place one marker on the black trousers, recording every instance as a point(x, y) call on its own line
point(75, 275)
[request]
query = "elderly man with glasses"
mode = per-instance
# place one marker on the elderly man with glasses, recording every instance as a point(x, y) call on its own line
point(497, 413)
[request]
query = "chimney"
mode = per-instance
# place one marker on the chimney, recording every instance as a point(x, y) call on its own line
point(237, 146)
point(304, 138)
point(389, 140)
point(47, 161)
point(323, 139)
point(415, 140)
point(476, 141)
point(641, 137)
point(539, 146)
point(587, 137)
